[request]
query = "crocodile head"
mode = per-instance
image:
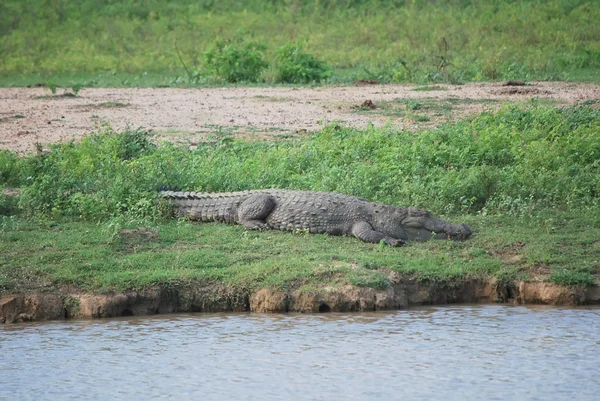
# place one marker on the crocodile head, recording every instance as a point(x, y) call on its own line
point(420, 225)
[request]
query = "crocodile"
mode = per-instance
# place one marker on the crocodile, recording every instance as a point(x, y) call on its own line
point(315, 212)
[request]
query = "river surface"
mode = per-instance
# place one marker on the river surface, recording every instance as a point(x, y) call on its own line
point(449, 353)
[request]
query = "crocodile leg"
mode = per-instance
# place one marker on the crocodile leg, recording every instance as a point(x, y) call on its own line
point(253, 211)
point(364, 232)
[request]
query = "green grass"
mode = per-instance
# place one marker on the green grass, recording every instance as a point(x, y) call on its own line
point(132, 43)
point(91, 257)
point(524, 178)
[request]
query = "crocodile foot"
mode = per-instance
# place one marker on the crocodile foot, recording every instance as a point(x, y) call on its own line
point(255, 225)
point(394, 242)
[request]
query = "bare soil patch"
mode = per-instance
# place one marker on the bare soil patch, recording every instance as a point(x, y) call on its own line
point(29, 116)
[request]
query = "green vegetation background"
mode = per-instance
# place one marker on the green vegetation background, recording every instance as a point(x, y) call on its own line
point(527, 179)
point(132, 43)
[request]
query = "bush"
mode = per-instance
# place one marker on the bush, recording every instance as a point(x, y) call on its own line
point(93, 179)
point(10, 168)
point(8, 205)
point(236, 60)
point(295, 66)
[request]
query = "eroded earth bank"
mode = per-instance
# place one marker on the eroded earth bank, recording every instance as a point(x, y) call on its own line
point(402, 294)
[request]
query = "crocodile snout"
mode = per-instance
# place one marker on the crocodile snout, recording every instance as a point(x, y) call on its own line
point(463, 231)
point(454, 232)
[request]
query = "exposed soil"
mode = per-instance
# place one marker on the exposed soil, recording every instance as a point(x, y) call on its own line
point(30, 115)
point(403, 293)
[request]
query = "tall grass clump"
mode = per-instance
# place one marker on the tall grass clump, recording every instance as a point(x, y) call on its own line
point(518, 160)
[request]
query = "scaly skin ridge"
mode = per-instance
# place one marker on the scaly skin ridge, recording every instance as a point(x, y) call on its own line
point(318, 212)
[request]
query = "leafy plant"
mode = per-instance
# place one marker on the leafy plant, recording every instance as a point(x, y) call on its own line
point(10, 168)
point(76, 88)
point(236, 60)
point(295, 66)
point(8, 205)
point(52, 86)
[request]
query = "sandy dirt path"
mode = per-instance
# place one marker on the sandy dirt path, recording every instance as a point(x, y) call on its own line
point(30, 115)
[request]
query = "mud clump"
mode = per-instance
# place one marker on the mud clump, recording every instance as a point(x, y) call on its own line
point(27, 308)
point(269, 301)
point(348, 299)
point(366, 82)
point(367, 104)
point(543, 293)
point(131, 303)
point(520, 90)
point(513, 83)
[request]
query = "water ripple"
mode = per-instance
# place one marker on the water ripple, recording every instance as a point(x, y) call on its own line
point(462, 352)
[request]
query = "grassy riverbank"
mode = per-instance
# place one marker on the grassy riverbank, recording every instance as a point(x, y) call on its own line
point(132, 43)
point(525, 179)
point(50, 256)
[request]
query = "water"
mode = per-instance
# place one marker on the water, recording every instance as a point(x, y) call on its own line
point(450, 353)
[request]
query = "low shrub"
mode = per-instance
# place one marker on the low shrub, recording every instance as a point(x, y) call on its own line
point(236, 60)
point(295, 66)
point(11, 168)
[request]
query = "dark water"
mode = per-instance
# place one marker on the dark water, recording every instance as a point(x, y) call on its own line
point(449, 353)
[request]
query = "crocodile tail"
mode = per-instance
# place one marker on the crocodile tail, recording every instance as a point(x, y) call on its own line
point(204, 206)
point(180, 195)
